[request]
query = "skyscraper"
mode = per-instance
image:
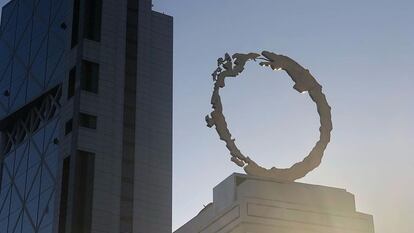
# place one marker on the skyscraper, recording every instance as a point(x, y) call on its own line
point(85, 117)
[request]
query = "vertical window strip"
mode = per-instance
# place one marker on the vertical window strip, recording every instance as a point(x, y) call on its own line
point(93, 19)
point(64, 195)
point(75, 23)
point(82, 211)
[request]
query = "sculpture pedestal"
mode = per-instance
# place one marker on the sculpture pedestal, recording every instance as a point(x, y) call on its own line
point(245, 204)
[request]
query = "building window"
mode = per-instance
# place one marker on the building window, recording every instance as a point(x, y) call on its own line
point(1, 171)
point(75, 23)
point(68, 126)
point(82, 211)
point(72, 82)
point(93, 14)
point(64, 188)
point(90, 76)
point(87, 121)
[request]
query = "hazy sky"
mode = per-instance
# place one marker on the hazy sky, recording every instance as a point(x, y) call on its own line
point(360, 51)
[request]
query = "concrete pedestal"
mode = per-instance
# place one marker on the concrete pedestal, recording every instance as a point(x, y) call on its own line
point(245, 204)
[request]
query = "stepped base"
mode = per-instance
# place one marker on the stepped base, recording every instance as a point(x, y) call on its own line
point(245, 204)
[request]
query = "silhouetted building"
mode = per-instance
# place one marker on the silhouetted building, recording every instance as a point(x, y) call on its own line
point(85, 117)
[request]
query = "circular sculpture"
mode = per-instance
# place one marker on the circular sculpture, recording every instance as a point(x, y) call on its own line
point(232, 66)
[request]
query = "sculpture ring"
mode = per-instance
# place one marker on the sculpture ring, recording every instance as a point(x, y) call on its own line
point(232, 66)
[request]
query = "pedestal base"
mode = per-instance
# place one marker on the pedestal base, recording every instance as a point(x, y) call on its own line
point(245, 204)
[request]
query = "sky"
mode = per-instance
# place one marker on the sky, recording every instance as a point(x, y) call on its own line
point(362, 54)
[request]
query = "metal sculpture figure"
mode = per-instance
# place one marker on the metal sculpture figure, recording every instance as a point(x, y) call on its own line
point(232, 66)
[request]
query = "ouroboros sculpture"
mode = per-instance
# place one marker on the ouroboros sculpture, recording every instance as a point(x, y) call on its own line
point(232, 66)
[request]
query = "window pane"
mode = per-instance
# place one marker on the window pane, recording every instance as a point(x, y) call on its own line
point(82, 210)
point(72, 82)
point(93, 14)
point(68, 127)
point(64, 195)
point(90, 76)
point(87, 121)
point(75, 23)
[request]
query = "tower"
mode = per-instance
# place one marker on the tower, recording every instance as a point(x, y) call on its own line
point(85, 117)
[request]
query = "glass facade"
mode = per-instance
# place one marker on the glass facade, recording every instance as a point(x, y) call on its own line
point(30, 165)
point(32, 49)
point(32, 68)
